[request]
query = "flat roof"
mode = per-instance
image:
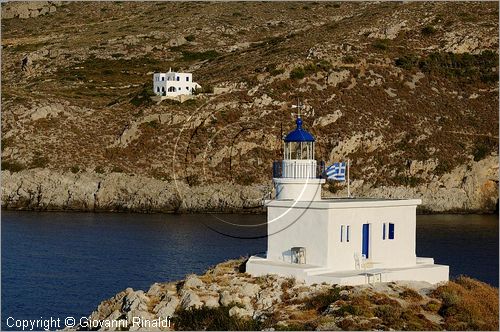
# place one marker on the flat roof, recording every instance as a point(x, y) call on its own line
point(342, 203)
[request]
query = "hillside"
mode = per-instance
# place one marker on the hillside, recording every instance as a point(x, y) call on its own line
point(407, 91)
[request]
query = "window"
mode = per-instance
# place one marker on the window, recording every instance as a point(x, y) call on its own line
point(187, 88)
point(157, 89)
point(163, 78)
point(342, 233)
point(383, 231)
point(178, 78)
point(391, 231)
point(187, 78)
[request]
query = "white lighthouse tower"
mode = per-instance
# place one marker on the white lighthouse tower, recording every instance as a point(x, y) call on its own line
point(295, 177)
point(345, 241)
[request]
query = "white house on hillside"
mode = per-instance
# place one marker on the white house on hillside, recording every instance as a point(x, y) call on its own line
point(174, 84)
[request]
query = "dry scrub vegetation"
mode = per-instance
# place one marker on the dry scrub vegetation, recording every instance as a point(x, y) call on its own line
point(462, 304)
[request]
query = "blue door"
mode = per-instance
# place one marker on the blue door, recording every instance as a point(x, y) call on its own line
point(366, 236)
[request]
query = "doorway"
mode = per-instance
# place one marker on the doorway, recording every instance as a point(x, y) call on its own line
point(366, 238)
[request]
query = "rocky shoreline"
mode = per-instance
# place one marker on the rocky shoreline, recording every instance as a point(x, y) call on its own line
point(471, 188)
point(226, 298)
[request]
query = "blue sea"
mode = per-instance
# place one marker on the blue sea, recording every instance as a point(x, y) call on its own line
point(65, 264)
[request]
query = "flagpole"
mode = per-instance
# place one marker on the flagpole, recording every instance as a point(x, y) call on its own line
point(348, 180)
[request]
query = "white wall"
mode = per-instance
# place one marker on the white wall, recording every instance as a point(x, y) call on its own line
point(164, 81)
point(298, 189)
point(299, 227)
point(397, 252)
point(297, 224)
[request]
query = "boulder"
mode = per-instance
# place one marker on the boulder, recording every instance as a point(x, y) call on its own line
point(227, 298)
point(189, 299)
point(192, 281)
point(240, 312)
point(166, 307)
point(249, 289)
point(337, 77)
point(135, 301)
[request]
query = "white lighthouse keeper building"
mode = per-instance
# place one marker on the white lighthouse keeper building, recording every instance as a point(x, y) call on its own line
point(346, 241)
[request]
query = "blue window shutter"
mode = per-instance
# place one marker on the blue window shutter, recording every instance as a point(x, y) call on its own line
point(341, 232)
point(391, 231)
point(347, 235)
point(383, 231)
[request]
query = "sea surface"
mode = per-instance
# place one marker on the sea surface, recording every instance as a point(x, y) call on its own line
point(64, 264)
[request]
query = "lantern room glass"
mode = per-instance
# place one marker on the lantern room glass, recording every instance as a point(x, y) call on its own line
point(299, 150)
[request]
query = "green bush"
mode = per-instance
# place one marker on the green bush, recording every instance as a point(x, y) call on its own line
point(349, 59)
point(483, 147)
point(39, 161)
point(407, 62)
point(428, 30)
point(143, 98)
point(117, 169)
point(193, 180)
point(75, 169)
point(190, 38)
point(12, 166)
point(472, 67)
point(297, 73)
point(212, 319)
point(410, 294)
point(381, 44)
point(99, 169)
point(322, 300)
point(432, 306)
point(311, 68)
point(153, 124)
point(388, 314)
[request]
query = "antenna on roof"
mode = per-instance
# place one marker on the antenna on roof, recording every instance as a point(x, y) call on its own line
point(299, 106)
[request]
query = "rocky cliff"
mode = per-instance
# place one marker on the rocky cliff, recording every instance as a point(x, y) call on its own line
point(468, 188)
point(226, 298)
point(407, 91)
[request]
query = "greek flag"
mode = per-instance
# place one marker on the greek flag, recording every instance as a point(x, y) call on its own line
point(336, 171)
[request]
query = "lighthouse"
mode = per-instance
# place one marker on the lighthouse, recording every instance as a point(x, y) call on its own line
point(344, 241)
point(297, 176)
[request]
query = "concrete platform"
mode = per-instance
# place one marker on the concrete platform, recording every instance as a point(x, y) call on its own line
point(424, 270)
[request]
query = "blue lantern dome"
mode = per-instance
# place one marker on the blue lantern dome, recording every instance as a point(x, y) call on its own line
point(299, 134)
